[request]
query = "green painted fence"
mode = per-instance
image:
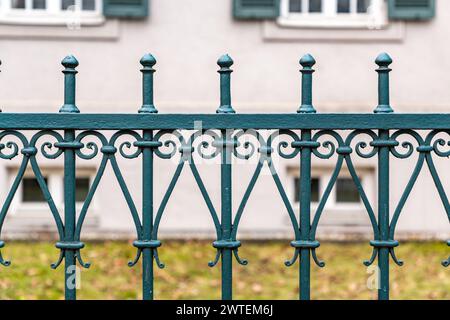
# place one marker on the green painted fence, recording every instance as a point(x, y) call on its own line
point(167, 136)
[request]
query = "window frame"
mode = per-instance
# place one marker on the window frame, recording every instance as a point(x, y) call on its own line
point(52, 15)
point(330, 18)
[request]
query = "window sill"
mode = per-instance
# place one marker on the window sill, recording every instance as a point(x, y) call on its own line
point(107, 30)
point(24, 220)
point(51, 20)
point(329, 23)
point(41, 209)
point(341, 215)
point(274, 31)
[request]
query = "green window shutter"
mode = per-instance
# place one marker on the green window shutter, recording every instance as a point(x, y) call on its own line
point(125, 8)
point(256, 9)
point(412, 9)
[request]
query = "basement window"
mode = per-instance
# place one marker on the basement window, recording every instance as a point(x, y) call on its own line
point(369, 14)
point(32, 193)
point(72, 13)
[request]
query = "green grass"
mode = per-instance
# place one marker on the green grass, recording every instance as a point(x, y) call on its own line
point(187, 275)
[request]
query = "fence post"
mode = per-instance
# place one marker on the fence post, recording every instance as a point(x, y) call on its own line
point(147, 145)
point(69, 63)
point(383, 144)
point(226, 145)
point(307, 62)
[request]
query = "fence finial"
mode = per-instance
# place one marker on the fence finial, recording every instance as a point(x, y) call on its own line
point(383, 61)
point(225, 62)
point(307, 62)
point(69, 63)
point(147, 61)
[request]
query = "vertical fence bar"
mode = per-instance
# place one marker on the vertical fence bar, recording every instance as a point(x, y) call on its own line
point(147, 217)
point(226, 217)
point(225, 62)
point(147, 61)
point(383, 61)
point(383, 216)
point(305, 217)
point(307, 62)
point(70, 63)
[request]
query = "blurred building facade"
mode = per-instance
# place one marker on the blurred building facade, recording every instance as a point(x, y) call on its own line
point(265, 38)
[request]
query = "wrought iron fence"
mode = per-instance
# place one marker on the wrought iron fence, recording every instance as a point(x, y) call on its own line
point(166, 135)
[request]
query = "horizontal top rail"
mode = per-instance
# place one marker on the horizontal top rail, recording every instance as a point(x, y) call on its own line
point(31, 121)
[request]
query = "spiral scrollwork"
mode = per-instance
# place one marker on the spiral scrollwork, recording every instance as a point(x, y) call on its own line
point(12, 146)
point(441, 146)
point(14, 150)
point(362, 146)
point(246, 149)
point(47, 147)
point(441, 142)
point(207, 148)
point(126, 145)
point(168, 148)
point(329, 145)
point(406, 145)
point(91, 145)
point(284, 148)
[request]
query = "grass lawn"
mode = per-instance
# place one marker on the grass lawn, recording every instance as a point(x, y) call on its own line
point(187, 275)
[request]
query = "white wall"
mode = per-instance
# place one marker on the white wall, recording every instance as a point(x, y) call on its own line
point(187, 37)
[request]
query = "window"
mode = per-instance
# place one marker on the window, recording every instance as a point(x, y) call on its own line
point(344, 194)
point(30, 210)
point(60, 12)
point(346, 191)
point(31, 191)
point(315, 189)
point(344, 207)
point(333, 13)
point(81, 189)
point(29, 199)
